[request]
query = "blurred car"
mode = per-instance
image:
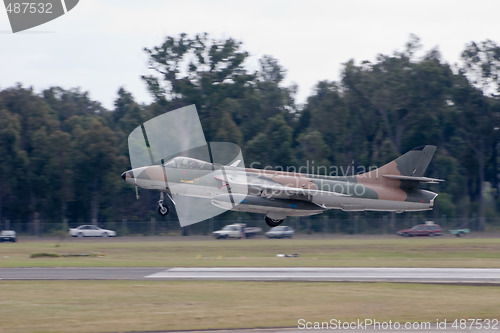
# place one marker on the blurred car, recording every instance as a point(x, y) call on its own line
point(8, 236)
point(237, 230)
point(281, 231)
point(430, 230)
point(91, 231)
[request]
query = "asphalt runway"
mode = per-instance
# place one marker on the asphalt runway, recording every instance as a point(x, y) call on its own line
point(325, 274)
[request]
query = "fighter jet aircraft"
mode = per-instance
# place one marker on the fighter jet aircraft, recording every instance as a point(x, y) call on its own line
point(201, 188)
point(278, 194)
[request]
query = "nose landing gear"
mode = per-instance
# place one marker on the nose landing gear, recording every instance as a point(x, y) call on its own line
point(162, 210)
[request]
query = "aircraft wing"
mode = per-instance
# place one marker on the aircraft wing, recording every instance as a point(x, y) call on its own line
point(267, 188)
point(287, 192)
point(415, 179)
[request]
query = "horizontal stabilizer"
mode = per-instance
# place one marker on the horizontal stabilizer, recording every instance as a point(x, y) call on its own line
point(416, 179)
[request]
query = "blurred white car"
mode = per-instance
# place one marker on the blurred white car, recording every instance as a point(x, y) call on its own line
point(8, 236)
point(281, 231)
point(91, 231)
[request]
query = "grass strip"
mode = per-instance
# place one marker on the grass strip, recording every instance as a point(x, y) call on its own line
point(110, 306)
point(184, 252)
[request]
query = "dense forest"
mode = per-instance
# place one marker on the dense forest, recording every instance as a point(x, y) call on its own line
point(62, 153)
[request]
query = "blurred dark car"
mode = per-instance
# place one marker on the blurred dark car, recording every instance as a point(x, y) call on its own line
point(430, 230)
point(281, 231)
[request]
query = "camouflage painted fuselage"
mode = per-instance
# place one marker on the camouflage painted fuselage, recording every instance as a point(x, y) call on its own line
point(393, 187)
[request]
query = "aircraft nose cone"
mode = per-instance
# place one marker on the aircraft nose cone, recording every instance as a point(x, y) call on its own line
point(126, 175)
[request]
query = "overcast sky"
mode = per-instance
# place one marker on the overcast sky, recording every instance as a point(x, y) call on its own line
point(98, 46)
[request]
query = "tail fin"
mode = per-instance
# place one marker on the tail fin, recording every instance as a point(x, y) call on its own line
point(408, 167)
point(415, 162)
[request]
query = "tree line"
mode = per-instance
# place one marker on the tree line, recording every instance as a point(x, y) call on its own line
point(62, 153)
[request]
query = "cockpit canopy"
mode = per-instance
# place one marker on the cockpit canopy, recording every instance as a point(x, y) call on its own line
point(182, 162)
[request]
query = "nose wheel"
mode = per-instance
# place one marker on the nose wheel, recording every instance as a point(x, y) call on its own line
point(162, 210)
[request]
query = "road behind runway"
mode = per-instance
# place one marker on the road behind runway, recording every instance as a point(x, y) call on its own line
point(325, 274)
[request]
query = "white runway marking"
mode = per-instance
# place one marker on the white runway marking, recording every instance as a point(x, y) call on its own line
point(346, 274)
point(418, 275)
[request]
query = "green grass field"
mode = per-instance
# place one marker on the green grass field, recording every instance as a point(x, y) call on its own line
point(116, 306)
point(206, 252)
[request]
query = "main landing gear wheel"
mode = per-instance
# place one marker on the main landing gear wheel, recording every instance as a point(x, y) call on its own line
point(273, 222)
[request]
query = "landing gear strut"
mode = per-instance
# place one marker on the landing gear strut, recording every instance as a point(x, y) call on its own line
point(163, 210)
point(273, 222)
